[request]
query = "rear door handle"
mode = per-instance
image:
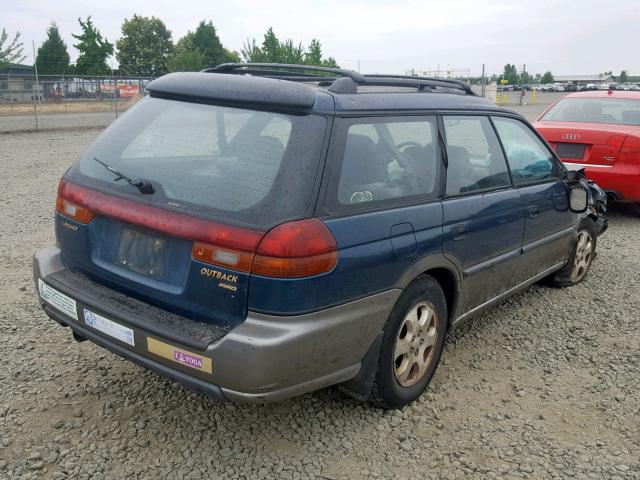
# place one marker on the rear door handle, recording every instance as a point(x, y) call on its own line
point(534, 211)
point(458, 232)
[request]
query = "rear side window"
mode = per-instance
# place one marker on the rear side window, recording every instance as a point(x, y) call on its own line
point(475, 159)
point(239, 165)
point(529, 159)
point(387, 159)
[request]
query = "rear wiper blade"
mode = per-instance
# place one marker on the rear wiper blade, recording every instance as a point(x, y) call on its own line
point(143, 185)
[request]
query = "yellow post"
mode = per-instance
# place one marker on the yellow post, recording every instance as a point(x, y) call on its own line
point(534, 96)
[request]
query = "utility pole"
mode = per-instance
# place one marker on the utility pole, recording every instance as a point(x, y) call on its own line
point(36, 98)
point(522, 90)
point(482, 82)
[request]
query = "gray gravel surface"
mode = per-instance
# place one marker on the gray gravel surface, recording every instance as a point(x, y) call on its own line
point(546, 385)
point(56, 121)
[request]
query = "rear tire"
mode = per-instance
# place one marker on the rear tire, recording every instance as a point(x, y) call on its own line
point(412, 344)
point(576, 269)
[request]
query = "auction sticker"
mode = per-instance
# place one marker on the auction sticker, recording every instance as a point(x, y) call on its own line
point(65, 304)
point(109, 327)
point(178, 355)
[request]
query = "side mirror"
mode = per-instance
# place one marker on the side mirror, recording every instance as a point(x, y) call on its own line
point(578, 198)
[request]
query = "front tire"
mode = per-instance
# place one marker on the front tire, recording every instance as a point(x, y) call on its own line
point(581, 258)
point(412, 344)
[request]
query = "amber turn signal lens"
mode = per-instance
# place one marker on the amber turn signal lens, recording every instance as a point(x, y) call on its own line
point(73, 211)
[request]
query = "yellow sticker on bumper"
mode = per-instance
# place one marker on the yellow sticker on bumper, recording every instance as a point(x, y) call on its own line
point(178, 355)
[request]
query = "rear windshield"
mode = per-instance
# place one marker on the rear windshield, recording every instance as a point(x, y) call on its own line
point(249, 167)
point(596, 110)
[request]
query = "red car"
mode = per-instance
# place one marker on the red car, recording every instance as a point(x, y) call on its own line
point(600, 131)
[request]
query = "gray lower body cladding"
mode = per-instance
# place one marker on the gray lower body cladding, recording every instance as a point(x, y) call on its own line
point(265, 358)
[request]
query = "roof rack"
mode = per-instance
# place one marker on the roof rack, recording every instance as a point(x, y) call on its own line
point(342, 81)
point(271, 69)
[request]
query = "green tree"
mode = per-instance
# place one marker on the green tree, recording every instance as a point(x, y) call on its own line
point(186, 57)
point(145, 47)
point(206, 39)
point(313, 55)
point(273, 50)
point(200, 49)
point(94, 50)
point(291, 53)
point(623, 77)
point(252, 53)
point(53, 57)
point(231, 56)
point(11, 52)
point(546, 78)
point(510, 74)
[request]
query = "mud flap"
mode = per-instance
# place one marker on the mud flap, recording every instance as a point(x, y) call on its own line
point(359, 387)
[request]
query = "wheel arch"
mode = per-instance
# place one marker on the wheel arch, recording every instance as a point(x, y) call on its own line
point(445, 272)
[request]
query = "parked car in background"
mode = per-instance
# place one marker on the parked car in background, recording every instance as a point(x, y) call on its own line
point(599, 131)
point(591, 87)
point(634, 87)
point(559, 87)
point(571, 87)
point(261, 231)
point(604, 86)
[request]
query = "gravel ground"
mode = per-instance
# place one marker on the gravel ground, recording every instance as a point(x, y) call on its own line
point(55, 121)
point(546, 385)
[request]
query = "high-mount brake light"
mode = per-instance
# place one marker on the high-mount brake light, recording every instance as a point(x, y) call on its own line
point(296, 249)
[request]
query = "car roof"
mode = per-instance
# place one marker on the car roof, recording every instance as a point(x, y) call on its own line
point(606, 94)
point(321, 94)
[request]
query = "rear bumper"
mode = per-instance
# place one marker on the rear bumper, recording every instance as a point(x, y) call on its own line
point(265, 358)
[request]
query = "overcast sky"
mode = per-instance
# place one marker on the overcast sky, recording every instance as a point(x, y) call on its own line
point(566, 37)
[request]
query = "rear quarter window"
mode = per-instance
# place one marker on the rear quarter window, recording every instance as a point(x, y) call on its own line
point(383, 160)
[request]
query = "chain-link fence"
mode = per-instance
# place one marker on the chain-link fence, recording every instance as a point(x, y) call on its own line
point(30, 102)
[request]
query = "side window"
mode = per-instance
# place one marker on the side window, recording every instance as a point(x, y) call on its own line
point(529, 159)
point(387, 159)
point(475, 158)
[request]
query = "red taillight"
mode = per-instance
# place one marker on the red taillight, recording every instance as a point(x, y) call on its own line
point(630, 151)
point(291, 250)
point(616, 141)
point(296, 249)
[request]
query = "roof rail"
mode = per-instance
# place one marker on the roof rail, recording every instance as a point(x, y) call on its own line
point(280, 68)
point(423, 81)
point(343, 81)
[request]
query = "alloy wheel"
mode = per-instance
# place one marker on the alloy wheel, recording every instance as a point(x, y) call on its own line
point(415, 344)
point(584, 256)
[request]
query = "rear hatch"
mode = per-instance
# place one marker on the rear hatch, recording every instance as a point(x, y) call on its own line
point(211, 180)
